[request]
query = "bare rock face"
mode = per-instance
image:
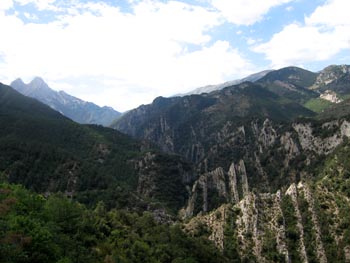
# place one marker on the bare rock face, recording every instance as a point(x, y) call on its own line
point(268, 134)
point(247, 225)
point(216, 187)
point(232, 177)
point(212, 182)
point(330, 96)
point(231, 184)
point(311, 142)
point(243, 175)
point(166, 141)
point(290, 146)
point(332, 75)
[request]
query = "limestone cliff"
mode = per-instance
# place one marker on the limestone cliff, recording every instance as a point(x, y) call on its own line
point(281, 227)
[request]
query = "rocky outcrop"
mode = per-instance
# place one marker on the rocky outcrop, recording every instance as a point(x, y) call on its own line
point(215, 222)
point(290, 147)
point(212, 182)
point(278, 227)
point(311, 142)
point(244, 178)
point(321, 254)
point(292, 192)
point(232, 178)
point(332, 76)
point(330, 96)
point(267, 134)
point(166, 141)
point(212, 189)
point(247, 226)
point(267, 228)
point(304, 142)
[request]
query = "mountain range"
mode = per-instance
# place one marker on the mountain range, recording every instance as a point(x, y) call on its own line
point(207, 89)
point(264, 152)
point(72, 107)
point(260, 169)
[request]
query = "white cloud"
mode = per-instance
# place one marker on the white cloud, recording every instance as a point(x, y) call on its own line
point(333, 14)
point(245, 12)
point(5, 5)
point(251, 41)
point(131, 57)
point(326, 32)
point(30, 16)
point(40, 4)
point(289, 8)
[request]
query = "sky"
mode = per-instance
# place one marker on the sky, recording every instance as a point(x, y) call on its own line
point(124, 53)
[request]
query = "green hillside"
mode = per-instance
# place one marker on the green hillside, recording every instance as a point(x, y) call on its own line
point(46, 152)
point(56, 229)
point(317, 104)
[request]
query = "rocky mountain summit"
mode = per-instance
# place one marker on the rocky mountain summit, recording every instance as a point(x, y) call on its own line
point(335, 78)
point(72, 107)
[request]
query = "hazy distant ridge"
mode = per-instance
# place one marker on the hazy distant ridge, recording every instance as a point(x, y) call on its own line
point(74, 108)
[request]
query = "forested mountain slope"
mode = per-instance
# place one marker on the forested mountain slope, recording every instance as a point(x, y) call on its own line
point(47, 152)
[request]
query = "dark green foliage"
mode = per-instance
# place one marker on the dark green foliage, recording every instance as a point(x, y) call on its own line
point(168, 180)
point(35, 229)
point(269, 248)
point(335, 174)
point(292, 232)
point(45, 151)
point(198, 205)
point(338, 110)
point(325, 220)
point(231, 243)
point(318, 130)
point(215, 199)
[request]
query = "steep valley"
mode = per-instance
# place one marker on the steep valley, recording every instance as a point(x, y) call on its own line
point(248, 173)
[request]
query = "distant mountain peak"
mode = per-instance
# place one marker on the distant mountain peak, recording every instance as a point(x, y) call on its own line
point(70, 106)
point(210, 88)
point(38, 82)
point(18, 81)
